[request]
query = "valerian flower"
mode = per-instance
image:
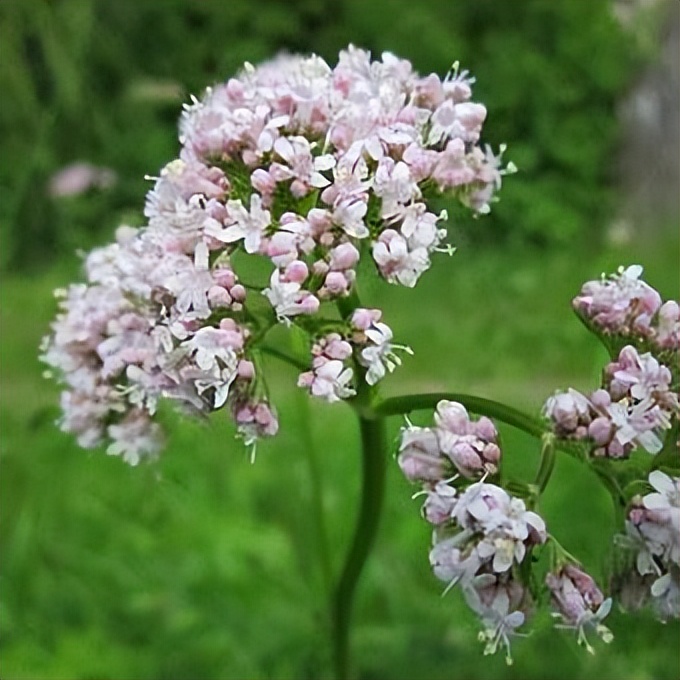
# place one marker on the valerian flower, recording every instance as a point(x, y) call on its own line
point(293, 163)
point(579, 603)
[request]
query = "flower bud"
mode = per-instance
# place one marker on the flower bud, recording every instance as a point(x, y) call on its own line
point(419, 457)
point(344, 256)
point(296, 272)
point(336, 283)
point(600, 430)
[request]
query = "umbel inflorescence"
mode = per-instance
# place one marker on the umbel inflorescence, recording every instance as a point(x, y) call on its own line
point(307, 168)
point(290, 175)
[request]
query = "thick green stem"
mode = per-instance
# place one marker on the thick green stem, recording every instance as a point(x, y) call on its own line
point(485, 407)
point(372, 492)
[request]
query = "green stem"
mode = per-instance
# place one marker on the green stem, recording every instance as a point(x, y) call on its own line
point(299, 341)
point(284, 356)
point(547, 463)
point(485, 407)
point(372, 492)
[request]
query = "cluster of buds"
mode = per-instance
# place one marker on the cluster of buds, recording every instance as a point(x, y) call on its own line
point(653, 535)
point(456, 445)
point(623, 305)
point(634, 407)
point(306, 167)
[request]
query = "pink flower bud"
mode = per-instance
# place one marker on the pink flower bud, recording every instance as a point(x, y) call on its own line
point(320, 220)
point(600, 430)
point(250, 158)
point(418, 467)
point(491, 454)
point(419, 456)
point(320, 268)
point(336, 283)
point(235, 89)
point(471, 116)
point(306, 379)
point(466, 458)
point(363, 319)
point(326, 239)
point(262, 181)
point(266, 418)
point(453, 417)
point(238, 292)
point(616, 449)
point(338, 349)
point(296, 272)
point(218, 297)
point(600, 399)
point(246, 369)
point(344, 256)
point(282, 248)
point(485, 429)
point(224, 277)
point(309, 305)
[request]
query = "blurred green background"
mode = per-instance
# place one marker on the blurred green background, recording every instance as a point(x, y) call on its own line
point(203, 566)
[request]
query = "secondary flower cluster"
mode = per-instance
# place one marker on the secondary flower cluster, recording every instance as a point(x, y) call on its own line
point(633, 408)
point(483, 536)
point(624, 305)
point(305, 167)
point(457, 445)
point(479, 543)
point(653, 534)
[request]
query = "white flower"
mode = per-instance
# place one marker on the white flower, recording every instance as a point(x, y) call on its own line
point(666, 596)
point(394, 184)
point(330, 381)
point(638, 423)
point(499, 622)
point(249, 226)
point(302, 165)
point(668, 492)
point(191, 285)
point(349, 216)
point(135, 437)
point(288, 299)
point(380, 357)
point(396, 262)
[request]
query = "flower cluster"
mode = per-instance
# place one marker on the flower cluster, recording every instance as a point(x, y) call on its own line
point(457, 445)
point(624, 305)
point(653, 534)
point(633, 408)
point(480, 543)
point(481, 533)
point(483, 536)
point(305, 167)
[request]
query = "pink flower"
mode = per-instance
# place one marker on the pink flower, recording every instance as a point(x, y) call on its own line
point(579, 603)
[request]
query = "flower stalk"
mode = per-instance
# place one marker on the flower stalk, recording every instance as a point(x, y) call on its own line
point(373, 460)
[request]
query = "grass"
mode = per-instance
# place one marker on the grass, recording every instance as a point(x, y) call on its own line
point(204, 566)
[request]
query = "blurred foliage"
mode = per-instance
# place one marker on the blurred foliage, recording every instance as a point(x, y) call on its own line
point(103, 82)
